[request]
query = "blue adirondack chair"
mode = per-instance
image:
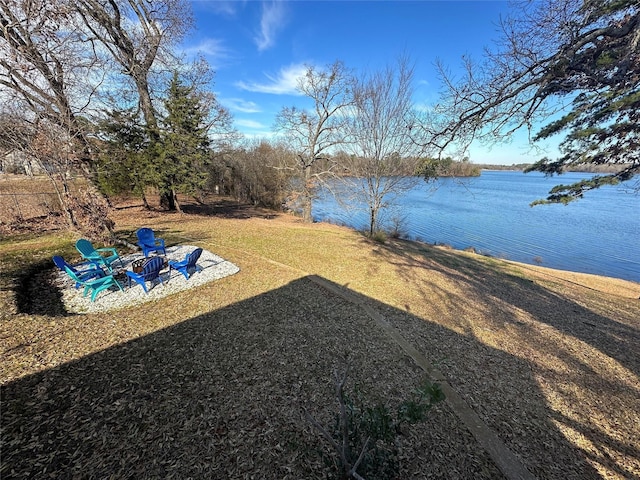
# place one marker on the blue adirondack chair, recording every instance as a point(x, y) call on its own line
point(150, 273)
point(83, 270)
point(97, 255)
point(94, 286)
point(148, 242)
point(188, 264)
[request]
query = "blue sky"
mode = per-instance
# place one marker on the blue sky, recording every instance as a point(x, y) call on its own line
point(259, 48)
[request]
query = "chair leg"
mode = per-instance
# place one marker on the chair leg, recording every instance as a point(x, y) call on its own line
point(96, 291)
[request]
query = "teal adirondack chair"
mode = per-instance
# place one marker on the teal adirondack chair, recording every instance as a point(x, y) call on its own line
point(94, 286)
point(97, 255)
point(84, 270)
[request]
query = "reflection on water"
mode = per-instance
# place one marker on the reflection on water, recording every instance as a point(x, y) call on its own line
point(598, 234)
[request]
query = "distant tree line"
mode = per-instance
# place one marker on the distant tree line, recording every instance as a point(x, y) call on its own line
point(447, 167)
point(586, 168)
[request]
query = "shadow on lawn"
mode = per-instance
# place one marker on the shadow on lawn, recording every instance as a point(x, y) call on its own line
point(226, 208)
point(35, 292)
point(219, 396)
point(504, 295)
point(221, 206)
point(607, 335)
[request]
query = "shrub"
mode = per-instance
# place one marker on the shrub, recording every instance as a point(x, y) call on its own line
point(364, 436)
point(379, 236)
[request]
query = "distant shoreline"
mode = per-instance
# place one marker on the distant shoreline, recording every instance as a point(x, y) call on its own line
point(492, 214)
point(518, 167)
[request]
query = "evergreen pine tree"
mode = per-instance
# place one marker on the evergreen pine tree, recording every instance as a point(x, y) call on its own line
point(184, 143)
point(125, 163)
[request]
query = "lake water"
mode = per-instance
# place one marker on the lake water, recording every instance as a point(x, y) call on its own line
point(598, 234)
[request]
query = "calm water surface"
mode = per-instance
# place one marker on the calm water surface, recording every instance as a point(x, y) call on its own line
point(598, 234)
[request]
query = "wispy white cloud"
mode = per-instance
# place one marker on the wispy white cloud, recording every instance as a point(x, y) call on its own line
point(241, 105)
point(210, 47)
point(250, 124)
point(273, 19)
point(284, 83)
point(213, 50)
point(227, 8)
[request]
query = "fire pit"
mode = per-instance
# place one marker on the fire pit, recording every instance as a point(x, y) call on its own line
point(138, 265)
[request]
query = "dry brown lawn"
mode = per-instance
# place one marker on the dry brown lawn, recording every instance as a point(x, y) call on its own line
point(211, 382)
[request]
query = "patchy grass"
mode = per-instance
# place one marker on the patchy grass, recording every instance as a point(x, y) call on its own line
point(211, 381)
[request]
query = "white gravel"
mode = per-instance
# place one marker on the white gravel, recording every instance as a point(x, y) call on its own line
point(212, 267)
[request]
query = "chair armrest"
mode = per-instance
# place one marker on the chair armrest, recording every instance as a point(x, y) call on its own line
point(89, 264)
point(107, 249)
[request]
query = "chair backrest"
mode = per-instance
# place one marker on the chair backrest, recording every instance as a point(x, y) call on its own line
point(85, 247)
point(151, 268)
point(145, 235)
point(193, 257)
point(61, 263)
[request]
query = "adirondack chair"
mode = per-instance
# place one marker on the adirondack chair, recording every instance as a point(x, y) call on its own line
point(97, 255)
point(148, 243)
point(84, 270)
point(150, 273)
point(94, 286)
point(188, 264)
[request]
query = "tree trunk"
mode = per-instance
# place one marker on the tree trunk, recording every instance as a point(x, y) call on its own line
point(147, 107)
point(63, 198)
point(307, 195)
point(168, 201)
point(139, 187)
point(175, 201)
point(372, 222)
point(145, 202)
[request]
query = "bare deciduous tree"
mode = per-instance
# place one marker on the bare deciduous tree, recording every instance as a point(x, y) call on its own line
point(44, 67)
point(55, 152)
point(384, 148)
point(49, 74)
point(259, 173)
point(60, 59)
point(313, 133)
point(136, 33)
